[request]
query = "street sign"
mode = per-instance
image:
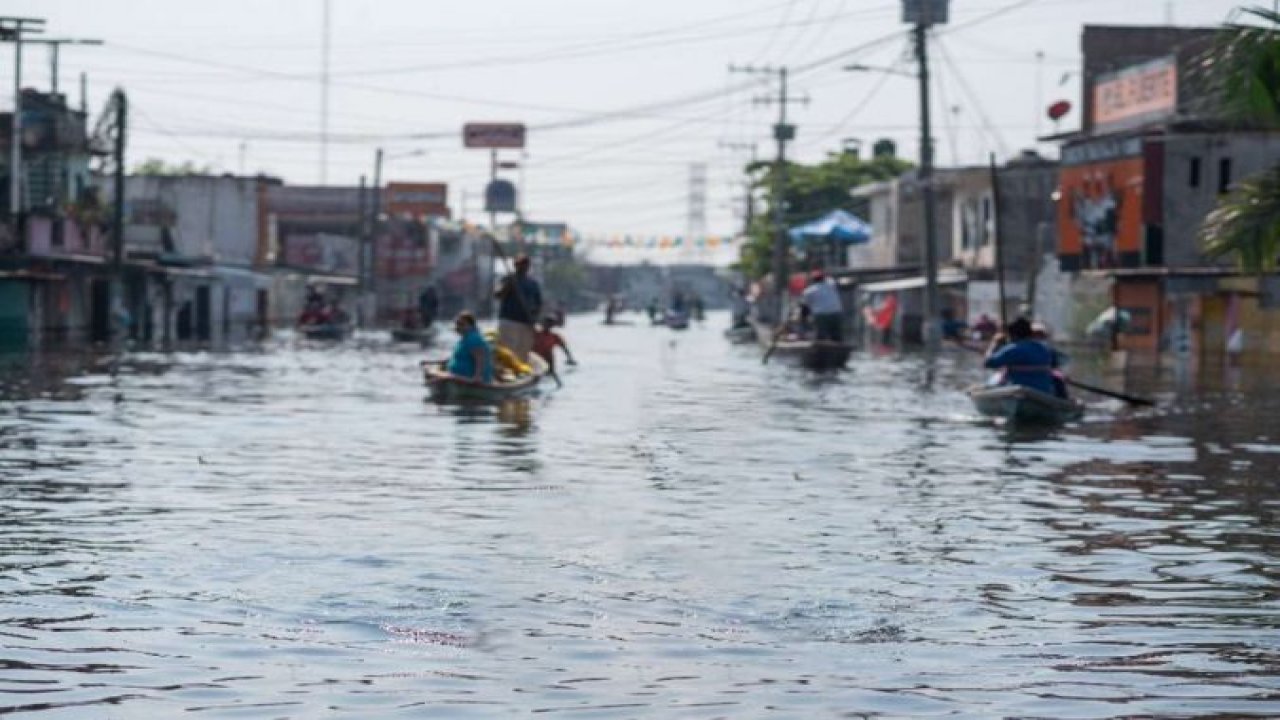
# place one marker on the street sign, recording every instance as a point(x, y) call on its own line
point(493, 135)
point(500, 196)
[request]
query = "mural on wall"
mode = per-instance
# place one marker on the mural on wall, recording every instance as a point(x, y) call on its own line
point(1100, 213)
point(1096, 211)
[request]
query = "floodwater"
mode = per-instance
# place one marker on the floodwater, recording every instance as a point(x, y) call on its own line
point(679, 532)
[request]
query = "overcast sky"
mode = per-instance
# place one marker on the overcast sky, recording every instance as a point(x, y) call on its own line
point(621, 97)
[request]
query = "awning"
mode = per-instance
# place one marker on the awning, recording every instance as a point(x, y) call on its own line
point(913, 283)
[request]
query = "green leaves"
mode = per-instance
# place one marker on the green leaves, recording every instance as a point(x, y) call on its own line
point(1246, 224)
point(811, 191)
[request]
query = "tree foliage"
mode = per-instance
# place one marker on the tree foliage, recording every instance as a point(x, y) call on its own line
point(1246, 224)
point(1245, 65)
point(811, 191)
point(157, 166)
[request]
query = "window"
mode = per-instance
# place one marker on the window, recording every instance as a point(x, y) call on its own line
point(1224, 174)
point(1193, 172)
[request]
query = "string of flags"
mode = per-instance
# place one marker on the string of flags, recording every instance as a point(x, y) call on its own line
point(620, 241)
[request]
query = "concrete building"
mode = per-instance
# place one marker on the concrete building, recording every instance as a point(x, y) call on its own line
point(1152, 159)
point(197, 243)
point(54, 270)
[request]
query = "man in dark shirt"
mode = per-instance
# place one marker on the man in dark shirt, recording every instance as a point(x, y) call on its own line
point(520, 301)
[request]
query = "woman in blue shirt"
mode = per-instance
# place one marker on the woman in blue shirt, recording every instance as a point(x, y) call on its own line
point(472, 358)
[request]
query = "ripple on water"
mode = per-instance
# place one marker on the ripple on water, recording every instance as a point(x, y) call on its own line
point(680, 531)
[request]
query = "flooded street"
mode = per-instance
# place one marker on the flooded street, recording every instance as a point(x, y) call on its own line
point(677, 532)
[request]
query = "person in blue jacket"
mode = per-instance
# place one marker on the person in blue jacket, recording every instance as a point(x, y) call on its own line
point(1025, 360)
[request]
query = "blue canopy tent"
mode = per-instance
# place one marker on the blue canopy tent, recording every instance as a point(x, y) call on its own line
point(837, 225)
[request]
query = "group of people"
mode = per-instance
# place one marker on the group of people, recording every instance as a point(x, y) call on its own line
point(521, 331)
point(320, 310)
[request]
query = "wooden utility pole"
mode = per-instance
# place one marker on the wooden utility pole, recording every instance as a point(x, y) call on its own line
point(12, 29)
point(782, 133)
point(924, 14)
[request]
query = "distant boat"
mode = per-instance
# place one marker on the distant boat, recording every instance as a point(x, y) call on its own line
point(677, 320)
point(418, 335)
point(325, 331)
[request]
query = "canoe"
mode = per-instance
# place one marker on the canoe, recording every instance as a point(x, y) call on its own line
point(1016, 403)
point(814, 354)
point(326, 331)
point(811, 354)
point(447, 388)
point(418, 335)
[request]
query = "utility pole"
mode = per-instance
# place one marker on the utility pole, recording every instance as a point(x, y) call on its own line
point(54, 46)
point(12, 30)
point(324, 93)
point(372, 250)
point(924, 14)
point(782, 133)
point(121, 106)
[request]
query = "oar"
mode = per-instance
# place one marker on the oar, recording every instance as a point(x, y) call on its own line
point(777, 335)
point(1131, 399)
point(506, 263)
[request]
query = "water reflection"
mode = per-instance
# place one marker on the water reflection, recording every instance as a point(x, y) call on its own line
point(679, 531)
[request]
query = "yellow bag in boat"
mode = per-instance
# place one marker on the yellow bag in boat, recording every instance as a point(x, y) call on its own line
point(504, 359)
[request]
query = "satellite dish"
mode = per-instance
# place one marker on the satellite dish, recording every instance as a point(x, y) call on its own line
point(1058, 109)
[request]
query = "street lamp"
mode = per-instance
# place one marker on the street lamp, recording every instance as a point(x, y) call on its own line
point(859, 67)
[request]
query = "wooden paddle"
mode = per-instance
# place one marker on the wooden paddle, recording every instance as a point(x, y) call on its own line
point(1131, 399)
point(773, 345)
point(506, 263)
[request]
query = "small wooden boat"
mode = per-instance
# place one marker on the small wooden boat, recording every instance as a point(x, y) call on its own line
point(1016, 403)
point(447, 388)
point(814, 354)
point(418, 335)
point(325, 331)
point(810, 354)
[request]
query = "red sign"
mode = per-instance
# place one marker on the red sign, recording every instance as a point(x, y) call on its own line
point(493, 135)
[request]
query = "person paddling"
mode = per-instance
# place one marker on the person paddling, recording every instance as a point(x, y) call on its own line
point(1025, 360)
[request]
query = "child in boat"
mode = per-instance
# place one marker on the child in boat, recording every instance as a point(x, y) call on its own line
point(545, 342)
point(472, 358)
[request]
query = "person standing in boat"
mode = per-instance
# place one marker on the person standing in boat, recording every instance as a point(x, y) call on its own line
point(428, 305)
point(520, 301)
point(472, 357)
point(821, 301)
point(1025, 360)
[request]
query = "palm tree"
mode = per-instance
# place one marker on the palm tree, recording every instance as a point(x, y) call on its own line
point(1246, 67)
point(1246, 224)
